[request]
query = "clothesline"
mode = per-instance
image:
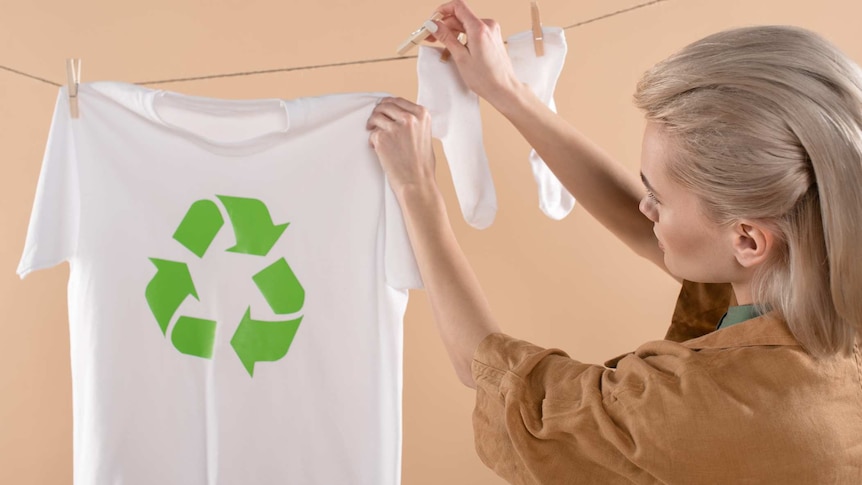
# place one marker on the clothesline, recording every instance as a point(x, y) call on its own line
point(321, 66)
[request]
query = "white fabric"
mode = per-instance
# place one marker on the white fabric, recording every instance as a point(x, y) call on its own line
point(116, 185)
point(457, 123)
point(541, 74)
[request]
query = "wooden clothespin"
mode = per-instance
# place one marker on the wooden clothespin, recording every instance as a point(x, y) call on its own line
point(73, 76)
point(538, 38)
point(417, 36)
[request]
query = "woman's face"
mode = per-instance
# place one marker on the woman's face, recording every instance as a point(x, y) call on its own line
point(695, 248)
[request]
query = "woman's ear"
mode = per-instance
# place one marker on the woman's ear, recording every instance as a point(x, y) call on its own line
point(752, 242)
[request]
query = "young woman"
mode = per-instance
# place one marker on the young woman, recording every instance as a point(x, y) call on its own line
point(752, 165)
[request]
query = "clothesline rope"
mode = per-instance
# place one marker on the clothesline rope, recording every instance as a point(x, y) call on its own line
point(321, 66)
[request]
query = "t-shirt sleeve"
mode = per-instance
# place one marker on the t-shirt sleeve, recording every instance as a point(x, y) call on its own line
point(53, 230)
point(402, 272)
point(542, 417)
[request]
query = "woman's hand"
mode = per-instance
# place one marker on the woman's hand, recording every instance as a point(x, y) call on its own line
point(401, 136)
point(483, 61)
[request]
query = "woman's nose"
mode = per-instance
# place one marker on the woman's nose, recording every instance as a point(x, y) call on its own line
point(647, 207)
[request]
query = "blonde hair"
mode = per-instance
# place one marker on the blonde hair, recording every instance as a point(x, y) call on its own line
point(766, 124)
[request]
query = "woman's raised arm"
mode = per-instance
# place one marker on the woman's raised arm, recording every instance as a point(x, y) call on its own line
point(606, 189)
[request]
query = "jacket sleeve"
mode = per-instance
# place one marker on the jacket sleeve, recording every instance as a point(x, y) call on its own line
point(542, 417)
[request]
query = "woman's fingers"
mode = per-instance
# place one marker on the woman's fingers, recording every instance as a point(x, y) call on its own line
point(379, 121)
point(401, 105)
point(457, 18)
point(388, 113)
point(392, 111)
point(449, 38)
point(397, 117)
point(460, 10)
point(454, 25)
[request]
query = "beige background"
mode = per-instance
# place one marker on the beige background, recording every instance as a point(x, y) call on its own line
point(567, 284)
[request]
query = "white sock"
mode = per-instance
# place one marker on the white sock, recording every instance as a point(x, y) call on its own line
point(456, 121)
point(540, 74)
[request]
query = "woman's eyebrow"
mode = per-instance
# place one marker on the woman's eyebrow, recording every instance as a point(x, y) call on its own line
point(648, 186)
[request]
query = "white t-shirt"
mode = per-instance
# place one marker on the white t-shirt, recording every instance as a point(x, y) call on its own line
point(239, 274)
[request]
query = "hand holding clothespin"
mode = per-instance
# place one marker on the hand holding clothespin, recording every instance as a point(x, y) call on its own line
point(538, 38)
point(73, 76)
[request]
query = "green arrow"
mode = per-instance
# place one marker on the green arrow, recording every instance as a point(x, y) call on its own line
point(259, 341)
point(255, 232)
point(168, 289)
point(280, 287)
point(194, 336)
point(199, 227)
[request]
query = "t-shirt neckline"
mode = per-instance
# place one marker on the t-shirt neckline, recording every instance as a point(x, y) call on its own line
point(294, 113)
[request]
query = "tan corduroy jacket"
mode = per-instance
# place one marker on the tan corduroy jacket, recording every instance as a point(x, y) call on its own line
point(745, 404)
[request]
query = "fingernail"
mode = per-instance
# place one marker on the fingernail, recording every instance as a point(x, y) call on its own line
point(431, 26)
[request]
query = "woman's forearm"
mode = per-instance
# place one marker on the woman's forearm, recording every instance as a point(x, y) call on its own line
point(603, 186)
point(460, 309)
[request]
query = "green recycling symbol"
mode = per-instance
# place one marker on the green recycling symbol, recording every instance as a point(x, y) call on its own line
point(254, 340)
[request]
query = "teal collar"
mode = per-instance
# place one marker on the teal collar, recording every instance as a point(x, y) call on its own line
point(738, 314)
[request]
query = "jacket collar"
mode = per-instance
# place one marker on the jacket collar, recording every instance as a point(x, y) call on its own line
point(765, 330)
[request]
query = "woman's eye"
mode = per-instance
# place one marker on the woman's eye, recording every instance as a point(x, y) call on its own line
point(652, 196)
